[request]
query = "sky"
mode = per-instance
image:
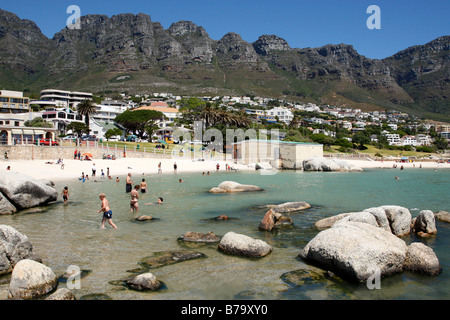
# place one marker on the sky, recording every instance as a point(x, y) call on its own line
point(302, 23)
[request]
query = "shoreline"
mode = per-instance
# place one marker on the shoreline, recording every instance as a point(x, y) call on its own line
point(73, 169)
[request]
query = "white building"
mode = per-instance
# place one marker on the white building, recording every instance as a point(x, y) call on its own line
point(61, 98)
point(283, 114)
point(13, 102)
point(394, 139)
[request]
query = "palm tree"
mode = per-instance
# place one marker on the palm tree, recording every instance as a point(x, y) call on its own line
point(86, 108)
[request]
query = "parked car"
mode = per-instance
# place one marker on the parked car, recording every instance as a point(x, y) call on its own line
point(69, 138)
point(132, 138)
point(89, 138)
point(46, 142)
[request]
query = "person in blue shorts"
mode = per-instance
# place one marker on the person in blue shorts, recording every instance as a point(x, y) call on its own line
point(107, 213)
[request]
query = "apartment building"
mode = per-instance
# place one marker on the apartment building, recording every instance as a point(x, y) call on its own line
point(13, 102)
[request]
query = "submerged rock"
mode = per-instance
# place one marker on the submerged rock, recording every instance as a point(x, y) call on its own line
point(164, 258)
point(289, 207)
point(242, 245)
point(31, 279)
point(146, 218)
point(96, 296)
point(232, 187)
point(198, 237)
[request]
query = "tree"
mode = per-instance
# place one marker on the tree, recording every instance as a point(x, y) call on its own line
point(113, 132)
point(360, 139)
point(37, 123)
point(78, 128)
point(138, 122)
point(86, 109)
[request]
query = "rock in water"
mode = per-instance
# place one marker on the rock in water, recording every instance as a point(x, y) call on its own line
point(198, 237)
point(443, 216)
point(26, 192)
point(274, 219)
point(326, 164)
point(143, 282)
point(289, 207)
point(232, 187)
point(242, 245)
point(422, 259)
point(399, 219)
point(31, 279)
point(356, 250)
point(62, 294)
point(14, 247)
point(6, 207)
point(425, 223)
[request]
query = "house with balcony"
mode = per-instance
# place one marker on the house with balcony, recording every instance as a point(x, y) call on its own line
point(61, 98)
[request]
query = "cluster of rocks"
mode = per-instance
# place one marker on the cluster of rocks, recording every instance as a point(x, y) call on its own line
point(19, 192)
point(327, 164)
point(358, 244)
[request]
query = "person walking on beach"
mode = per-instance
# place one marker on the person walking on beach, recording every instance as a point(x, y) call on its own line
point(134, 205)
point(107, 213)
point(75, 155)
point(129, 184)
point(65, 194)
point(159, 168)
point(79, 155)
point(94, 170)
point(175, 167)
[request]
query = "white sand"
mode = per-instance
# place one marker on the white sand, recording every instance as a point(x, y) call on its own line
point(121, 167)
point(74, 168)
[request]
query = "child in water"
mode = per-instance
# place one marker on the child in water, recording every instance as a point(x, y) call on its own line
point(65, 194)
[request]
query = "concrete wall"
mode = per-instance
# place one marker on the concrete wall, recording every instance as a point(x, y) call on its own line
point(293, 155)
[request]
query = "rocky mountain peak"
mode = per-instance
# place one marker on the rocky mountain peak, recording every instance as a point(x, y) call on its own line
point(267, 43)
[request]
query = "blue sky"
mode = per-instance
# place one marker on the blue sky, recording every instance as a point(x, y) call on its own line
point(303, 23)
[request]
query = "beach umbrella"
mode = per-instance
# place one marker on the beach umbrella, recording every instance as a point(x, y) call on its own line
point(88, 155)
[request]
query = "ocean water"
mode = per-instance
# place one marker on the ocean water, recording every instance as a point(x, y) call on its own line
point(69, 235)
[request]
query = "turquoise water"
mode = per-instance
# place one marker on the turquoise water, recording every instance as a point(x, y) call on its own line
point(70, 235)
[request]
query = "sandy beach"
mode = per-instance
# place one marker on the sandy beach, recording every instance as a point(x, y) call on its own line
point(73, 169)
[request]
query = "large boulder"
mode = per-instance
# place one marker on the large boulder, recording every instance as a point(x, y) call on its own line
point(289, 207)
point(26, 192)
point(6, 207)
point(394, 219)
point(31, 279)
point(14, 247)
point(425, 223)
point(399, 219)
point(327, 164)
point(422, 259)
point(356, 251)
point(232, 187)
point(242, 245)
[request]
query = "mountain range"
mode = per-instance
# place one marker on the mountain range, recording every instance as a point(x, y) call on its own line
point(131, 53)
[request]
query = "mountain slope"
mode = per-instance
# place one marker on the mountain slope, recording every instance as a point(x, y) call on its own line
point(132, 53)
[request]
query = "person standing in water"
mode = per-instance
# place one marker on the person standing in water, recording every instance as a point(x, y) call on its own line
point(129, 184)
point(134, 205)
point(143, 186)
point(107, 213)
point(65, 194)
